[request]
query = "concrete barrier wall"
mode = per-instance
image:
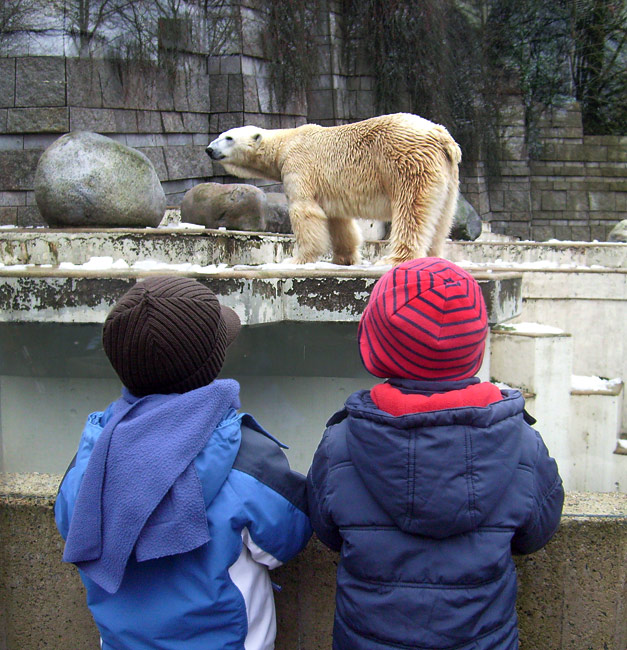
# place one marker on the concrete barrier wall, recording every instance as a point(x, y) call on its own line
point(572, 596)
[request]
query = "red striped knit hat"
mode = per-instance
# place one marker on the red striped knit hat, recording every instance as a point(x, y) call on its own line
point(426, 319)
point(168, 335)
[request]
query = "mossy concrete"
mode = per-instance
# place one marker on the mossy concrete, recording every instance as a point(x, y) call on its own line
point(572, 594)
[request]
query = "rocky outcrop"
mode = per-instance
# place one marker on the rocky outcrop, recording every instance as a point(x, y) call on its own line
point(84, 179)
point(232, 206)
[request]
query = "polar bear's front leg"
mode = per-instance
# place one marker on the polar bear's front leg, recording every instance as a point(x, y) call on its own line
point(309, 223)
point(345, 241)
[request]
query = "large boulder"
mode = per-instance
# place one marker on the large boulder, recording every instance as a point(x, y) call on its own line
point(86, 179)
point(232, 206)
point(278, 214)
point(466, 222)
point(618, 232)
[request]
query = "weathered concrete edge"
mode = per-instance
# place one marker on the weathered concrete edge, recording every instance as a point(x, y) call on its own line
point(41, 489)
point(258, 296)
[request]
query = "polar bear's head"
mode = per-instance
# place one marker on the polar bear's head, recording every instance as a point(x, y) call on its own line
point(237, 150)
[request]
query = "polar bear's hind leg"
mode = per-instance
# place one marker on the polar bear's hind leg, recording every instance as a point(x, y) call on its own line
point(345, 241)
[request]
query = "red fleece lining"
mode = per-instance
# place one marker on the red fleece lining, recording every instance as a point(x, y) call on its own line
point(391, 400)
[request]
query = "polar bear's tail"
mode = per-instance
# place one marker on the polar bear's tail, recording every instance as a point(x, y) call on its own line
point(451, 148)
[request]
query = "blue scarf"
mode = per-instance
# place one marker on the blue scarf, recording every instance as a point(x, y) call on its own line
point(140, 489)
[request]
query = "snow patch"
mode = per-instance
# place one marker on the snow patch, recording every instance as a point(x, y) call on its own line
point(594, 384)
point(530, 328)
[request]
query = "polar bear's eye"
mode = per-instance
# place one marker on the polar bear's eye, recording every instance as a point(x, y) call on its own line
point(228, 138)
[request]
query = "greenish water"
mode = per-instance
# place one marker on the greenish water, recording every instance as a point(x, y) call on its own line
point(293, 376)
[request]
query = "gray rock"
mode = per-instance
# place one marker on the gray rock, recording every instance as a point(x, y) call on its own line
point(619, 232)
point(466, 222)
point(234, 206)
point(85, 179)
point(278, 215)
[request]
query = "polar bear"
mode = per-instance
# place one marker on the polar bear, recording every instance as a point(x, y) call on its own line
point(398, 167)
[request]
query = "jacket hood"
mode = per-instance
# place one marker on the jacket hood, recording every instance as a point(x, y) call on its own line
point(438, 473)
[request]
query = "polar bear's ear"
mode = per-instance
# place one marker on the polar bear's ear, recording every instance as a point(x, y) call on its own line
point(257, 137)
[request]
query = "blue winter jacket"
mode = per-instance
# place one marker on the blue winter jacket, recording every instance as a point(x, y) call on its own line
point(218, 596)
point(426, 510)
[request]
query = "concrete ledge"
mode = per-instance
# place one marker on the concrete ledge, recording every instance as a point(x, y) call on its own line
point(572, 594)
point(206, 246)
point(257, 294)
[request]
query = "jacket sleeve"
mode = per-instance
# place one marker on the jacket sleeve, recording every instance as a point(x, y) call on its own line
point(547, 503)
point(317, 489)
point(71, 483)
point(273, 497)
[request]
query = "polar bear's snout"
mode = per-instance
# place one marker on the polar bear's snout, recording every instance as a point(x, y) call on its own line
point(213, 153)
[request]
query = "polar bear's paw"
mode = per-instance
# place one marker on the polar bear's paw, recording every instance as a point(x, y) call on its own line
point(348, 259)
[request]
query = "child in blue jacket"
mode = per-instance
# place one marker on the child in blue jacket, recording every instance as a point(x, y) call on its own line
point(176, 505)
point(428, 483)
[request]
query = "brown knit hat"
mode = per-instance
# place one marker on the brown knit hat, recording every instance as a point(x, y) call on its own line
point(168, 335)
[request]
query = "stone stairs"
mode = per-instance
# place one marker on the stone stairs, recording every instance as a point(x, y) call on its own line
point(578, 416)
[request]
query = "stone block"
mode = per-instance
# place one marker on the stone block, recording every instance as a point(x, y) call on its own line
point(250, 94)
point(594, 153)
point(213, 65)
point(172, 122)
point(541, 233)
point(8, 215)
point(552, 200)
point(157, 158)
point(7, 83)
point(249, 67)
point(219, 93)
point(602, 201)
point(320, 104)
point(235, 101)
point(95, 83)
point(538, 362)
point(252, 23)
point(191, 92)
point(186, 162)
point(11, 142)
point(576, 217)
point(617, 153)
point(572, 593)
point(562, 232)
point(267, 100)
point(12, 199)
point(577, 201)
point(17, 169)
point(231, 64)
point(40, 142)
point(177, 139)
point(517, 201)
point(29, 216)
point(580, 233)
point(149, 122)
point(196, 122)
point(228, 121)
point(38, 120)
point(200, 139)
point(40, 81)
point(103, 120)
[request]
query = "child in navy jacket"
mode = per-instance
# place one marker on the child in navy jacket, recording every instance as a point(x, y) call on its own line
point(176, 505)
point(428, 483)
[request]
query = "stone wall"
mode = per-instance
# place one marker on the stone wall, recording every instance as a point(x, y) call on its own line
point(571, 593)
point(574, 189)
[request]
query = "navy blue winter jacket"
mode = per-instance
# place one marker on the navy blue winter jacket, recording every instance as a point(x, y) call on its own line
point(426, 510)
